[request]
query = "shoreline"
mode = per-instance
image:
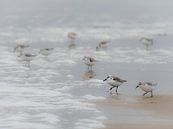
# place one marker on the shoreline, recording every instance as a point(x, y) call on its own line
point(155, 112)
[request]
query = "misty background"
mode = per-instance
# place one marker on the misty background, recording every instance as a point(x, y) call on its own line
point(25, 13)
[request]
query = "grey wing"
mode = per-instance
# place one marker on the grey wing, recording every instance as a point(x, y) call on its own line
point(116, 78)
point(91, 59)
point(148, 83)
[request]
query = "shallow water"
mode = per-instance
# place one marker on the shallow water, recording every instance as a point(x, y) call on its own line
point(58, 91)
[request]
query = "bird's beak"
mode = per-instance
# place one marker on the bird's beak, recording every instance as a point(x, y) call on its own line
point(105, 79)
point(137, 86)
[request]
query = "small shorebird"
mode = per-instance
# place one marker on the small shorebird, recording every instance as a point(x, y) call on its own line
point(20, 47)
point(102, 45)
point(146, 87)
point(27, 57)
point(114, 81)
point(46, 51)
point(89, 61)
point(72, 37)
point(147, 42)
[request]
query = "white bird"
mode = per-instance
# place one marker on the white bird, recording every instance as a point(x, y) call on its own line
point(46, 51)
point(27, 57)
point(20, 47)
point(102, 45)
point(114, 82)
point(71, 35)
point(89, 61)
point(147, 42)
point(146, 87)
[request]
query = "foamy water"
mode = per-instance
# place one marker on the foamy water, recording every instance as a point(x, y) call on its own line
point(53, 93)
point(57, 92)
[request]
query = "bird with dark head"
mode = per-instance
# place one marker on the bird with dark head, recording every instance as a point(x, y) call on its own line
point(148, 42)
point(46, 51)
point(20, 47)
point(114, 82)
point(27, 57)
point(102, 45)
point(147, 87)
point(89, 61)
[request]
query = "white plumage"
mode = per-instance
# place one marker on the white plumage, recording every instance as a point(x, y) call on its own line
point(46, 51)
point(146, 87)
point(89, 61)
point(27, 57)
point(147, 42)
point(114, 81)
point(102, 45)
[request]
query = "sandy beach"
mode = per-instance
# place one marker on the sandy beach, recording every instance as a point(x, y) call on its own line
point(159, 108)
point(45, 80)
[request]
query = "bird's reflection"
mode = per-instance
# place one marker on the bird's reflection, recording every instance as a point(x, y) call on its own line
point(89, 75)
point(72, 39)
point(72, 46)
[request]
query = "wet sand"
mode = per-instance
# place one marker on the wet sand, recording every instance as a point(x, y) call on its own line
point(159, 108)
point(136, 126)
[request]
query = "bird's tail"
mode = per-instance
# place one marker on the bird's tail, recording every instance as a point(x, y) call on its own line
point(155, 84)
point(123, 80)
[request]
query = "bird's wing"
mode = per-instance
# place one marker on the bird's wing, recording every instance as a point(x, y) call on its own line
point(92, 59)
point(116, 78)
point(151, 84)
point(29, 55)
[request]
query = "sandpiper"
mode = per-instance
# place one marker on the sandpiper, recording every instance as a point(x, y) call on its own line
point(114, 81)
point(46, 51)
point(146, 87)
point(72, 37)
point(147, 42)
point(102, 45)
point(20, 47)
point(27, 57)
point(89, 61)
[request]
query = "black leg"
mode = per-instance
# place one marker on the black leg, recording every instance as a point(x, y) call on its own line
point(147, 47)
point(91, 68)
point(144, 93)
point(111, 88)
point(151, 93)
point(117, 90)
point(29, 64)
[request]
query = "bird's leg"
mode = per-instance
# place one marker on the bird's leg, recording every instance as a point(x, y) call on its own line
point(147, 47)
point(151, 93)
point(117, 90)
point(110, 88)
point(91, 68)
point(144, 93)
point(73, 41)
point(29, 64)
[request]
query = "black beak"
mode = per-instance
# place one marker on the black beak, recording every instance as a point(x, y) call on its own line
point(105, 79)
point(137, 86)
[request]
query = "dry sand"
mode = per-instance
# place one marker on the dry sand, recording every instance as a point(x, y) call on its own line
point(161, 108)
